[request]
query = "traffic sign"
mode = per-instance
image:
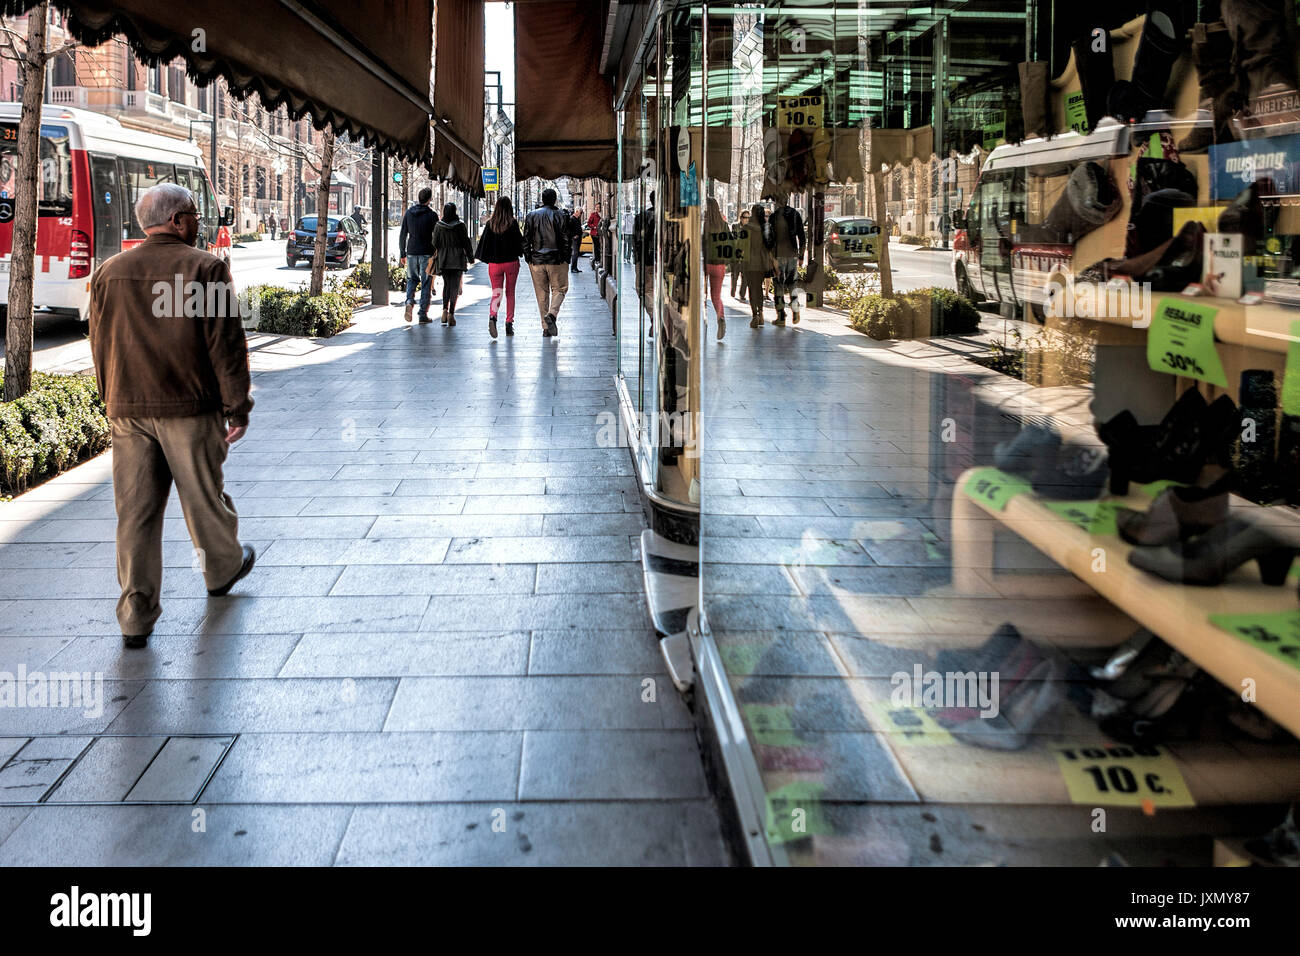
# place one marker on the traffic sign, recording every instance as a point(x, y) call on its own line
point(490, 178)
point(397, 175)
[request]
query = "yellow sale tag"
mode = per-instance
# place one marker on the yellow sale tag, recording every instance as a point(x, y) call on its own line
point(1122, 775)
point(795, 112)
point(908, 726)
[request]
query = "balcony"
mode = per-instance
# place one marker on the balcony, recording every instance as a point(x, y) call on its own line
point(74, 96)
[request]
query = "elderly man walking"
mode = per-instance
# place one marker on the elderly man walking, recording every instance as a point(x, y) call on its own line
point(172, 366)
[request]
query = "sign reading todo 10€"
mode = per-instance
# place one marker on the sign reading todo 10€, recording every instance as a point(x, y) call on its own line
point(794, 112)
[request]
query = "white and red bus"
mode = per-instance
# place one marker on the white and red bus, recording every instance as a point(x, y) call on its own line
point(92, 171)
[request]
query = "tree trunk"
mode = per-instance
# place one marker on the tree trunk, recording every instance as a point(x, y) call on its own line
point(886, 273)
point(22, 267)
point(322, 212)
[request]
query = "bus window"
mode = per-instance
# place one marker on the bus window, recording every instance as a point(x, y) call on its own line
point(197, 184)
point(55, 178)
point(106, 202)
point(136, 176)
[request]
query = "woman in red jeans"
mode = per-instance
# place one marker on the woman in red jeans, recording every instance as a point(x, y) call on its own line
point(717, 250)
point(500, 247)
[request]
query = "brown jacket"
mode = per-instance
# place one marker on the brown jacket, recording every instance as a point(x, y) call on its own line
point(163, 347)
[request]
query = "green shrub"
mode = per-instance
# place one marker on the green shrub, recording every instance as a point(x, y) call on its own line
point(281, 311)
point(951, 314)
point(56, 425)
point(915, 240)
point(877, 316)
point(360, 277)
point(247, 237)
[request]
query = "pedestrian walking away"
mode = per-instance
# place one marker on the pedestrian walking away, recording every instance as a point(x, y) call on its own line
point(500, 247)
point(176, 389)
point(452, 255)
point(549, 235)
point(757, 264)
point(714, 262)
point(785, 235)
point(415, 242)
point(643, 248)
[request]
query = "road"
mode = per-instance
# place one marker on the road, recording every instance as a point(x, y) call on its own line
point(919, 268)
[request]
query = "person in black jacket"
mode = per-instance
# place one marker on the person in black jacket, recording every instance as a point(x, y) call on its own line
point(452, 255)
point(500, 247)
point(548, 238)
point(415, 241)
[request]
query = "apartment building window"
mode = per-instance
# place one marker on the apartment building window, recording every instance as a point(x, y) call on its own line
point(260, 176)
point(279, 187)
point(202, 92)
point(64, 70)
point(155, 80)
point(176, 84)
point(130, 71)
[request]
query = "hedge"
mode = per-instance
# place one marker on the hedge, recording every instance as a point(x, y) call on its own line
point(55, 426)
point(360, 277)
point(281, 311)
point(951, 313)
point(877, 316)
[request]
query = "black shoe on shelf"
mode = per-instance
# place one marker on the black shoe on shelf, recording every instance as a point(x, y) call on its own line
point(1209, 558)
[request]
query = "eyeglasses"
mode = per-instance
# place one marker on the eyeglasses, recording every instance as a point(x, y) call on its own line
point(189, 212)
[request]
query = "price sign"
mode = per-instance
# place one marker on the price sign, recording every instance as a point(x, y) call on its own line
point(728, 245)
point(993, 488)
point(771, 726)
point(1094, 517)
point(908, 726)
point(1277, 633)
point(1117, 775)
point(1291, 380)
point(1076, 112)
point(795, 812)
point(1181, 341)
point(800, 112)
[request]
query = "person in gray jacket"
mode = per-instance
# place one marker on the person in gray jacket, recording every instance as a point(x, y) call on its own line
point(452, 255)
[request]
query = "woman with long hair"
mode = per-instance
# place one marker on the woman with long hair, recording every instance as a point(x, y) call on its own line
point(715, 261)
point(452, 255)
point(500, 247)
point(756, 262)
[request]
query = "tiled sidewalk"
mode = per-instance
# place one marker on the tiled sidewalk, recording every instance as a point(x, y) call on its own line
point(443, 655)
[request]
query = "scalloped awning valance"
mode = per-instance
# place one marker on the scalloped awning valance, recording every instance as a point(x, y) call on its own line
point(362, 66)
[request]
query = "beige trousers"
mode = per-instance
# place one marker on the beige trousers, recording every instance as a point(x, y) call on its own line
point(148, 455)
point(550, 284)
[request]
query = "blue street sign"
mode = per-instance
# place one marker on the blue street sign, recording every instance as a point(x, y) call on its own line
point(489, 178)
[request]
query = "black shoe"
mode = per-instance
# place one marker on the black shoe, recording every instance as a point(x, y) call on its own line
point(1206, 560)
point(492, 326)
point(552, 326)
point(135, 641)
point(250, 557)
point(510, 329)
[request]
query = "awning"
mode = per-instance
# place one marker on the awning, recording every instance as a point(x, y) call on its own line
point(458, 94)
point(361, 66)
point(565, 107)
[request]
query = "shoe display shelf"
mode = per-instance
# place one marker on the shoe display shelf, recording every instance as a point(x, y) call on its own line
point(1178, 614)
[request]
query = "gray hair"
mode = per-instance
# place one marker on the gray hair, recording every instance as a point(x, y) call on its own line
point(158, 204)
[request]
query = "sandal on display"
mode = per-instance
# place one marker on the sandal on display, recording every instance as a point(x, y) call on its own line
point(1177, 513)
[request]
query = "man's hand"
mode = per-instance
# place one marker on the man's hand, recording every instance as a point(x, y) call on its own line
point(403, 260)
point(234, 433)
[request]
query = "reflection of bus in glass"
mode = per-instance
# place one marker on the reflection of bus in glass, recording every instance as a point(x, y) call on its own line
point(92, 171)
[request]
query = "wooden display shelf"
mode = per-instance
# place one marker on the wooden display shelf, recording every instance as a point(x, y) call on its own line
point(1179, 614)
point(1265, 325)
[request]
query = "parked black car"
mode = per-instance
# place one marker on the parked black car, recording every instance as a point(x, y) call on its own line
point(345, 242)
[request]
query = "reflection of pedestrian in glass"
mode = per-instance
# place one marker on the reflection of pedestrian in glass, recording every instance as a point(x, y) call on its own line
point(785, 238)
point(643, 249)
point(756, 264)
point(578, 222)
point(738, 265)
point(593, 228)
point(718, 251)
point(628, 228)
